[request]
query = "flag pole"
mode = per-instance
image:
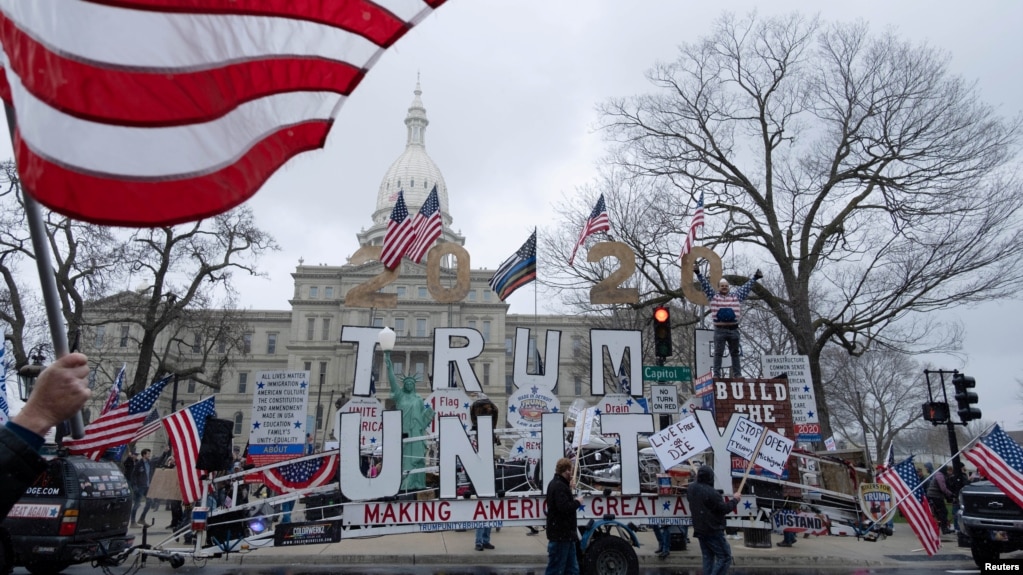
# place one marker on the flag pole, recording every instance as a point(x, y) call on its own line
point(937, 470)
point(47, 281)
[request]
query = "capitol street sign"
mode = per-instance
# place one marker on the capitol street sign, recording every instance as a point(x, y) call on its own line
point(667, 373)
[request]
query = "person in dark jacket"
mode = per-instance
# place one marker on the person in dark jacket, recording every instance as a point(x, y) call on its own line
point(562, 527)
point(709, 509)
point(60, 391)
point(141, 476)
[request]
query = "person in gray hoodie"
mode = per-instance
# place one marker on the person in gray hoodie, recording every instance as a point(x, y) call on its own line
point(709, 509)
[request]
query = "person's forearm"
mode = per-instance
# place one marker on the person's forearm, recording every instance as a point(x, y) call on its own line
point(33, 421)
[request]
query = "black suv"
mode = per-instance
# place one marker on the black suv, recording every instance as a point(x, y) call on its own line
point(989, 523)
point(76, 512)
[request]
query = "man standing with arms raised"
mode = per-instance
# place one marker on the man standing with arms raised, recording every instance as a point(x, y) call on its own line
point(562, 526)
point(725, 312)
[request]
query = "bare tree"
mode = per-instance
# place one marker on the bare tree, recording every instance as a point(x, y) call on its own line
point(186, 318)
point(187, 304)
point(874, 180)
point(877, 394)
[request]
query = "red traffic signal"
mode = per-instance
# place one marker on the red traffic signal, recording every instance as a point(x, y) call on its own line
point(662, 331)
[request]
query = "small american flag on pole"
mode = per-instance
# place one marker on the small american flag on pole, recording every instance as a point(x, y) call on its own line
point(151, 424)
point(427, 226)
point(185, 430)
point(114, 398)
point(119, 425)
point(597, 222)
point(905, 484)
point(697, 224)
point(399, 235)
point(1000, 459)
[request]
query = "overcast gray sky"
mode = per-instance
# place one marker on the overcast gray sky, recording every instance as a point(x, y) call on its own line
point(510, 90)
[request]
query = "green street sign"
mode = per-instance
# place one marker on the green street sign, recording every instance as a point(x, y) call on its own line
point(667, 373)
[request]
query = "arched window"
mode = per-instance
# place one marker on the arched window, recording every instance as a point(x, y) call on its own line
point(237, 423)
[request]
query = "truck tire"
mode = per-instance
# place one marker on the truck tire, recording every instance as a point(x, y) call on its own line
point(983, 552)
point(610, 555)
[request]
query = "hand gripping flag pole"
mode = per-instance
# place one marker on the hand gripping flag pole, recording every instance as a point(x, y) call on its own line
point(48, 283)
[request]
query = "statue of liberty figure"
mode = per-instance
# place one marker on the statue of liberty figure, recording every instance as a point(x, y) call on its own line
point(416, 418)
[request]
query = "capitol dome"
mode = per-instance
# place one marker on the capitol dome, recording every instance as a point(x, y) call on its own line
point(414, 172)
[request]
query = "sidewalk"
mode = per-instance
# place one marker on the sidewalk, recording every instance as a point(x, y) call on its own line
point(514, 547)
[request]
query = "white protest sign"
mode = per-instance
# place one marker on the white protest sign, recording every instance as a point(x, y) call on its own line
point(774, 453)
point(620, 403)
point(664, 399)
point(449, 401)
point(678, 442)
point(279, 403)
point(584, 428)
point(745, 438)
point(805, 421)
point(371, 428)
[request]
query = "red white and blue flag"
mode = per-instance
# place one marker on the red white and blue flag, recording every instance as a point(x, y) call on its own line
point(1000, 459)
point(597, 222)
point(399, 235)
point(906, 486)
point(114, 398)
point(117, 426)
point(156, 112)
point(697, 224)
point(312, 472)
point(185, 429)
point(427, 226)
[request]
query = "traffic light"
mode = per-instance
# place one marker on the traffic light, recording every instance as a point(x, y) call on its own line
point(662, 331)
point(936, 412)
point(965, 398)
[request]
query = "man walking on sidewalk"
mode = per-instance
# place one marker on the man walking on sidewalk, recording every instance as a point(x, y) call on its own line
point(709, 509)
point(141, 475)
point(562, 528)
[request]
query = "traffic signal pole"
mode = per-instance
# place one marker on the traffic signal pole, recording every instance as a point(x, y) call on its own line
point(965, 400)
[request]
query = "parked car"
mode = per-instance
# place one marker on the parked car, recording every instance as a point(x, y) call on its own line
point(76, 512)
point(989, 522)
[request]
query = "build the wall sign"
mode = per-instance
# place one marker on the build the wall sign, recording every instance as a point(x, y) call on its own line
point(763, 402)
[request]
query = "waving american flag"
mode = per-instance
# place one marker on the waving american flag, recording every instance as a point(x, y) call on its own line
point(1000, 459)
point(399, 236)
point(119, 425)
point(185, 429)
point(597, 222)
point(905, 483)
point(427, 226)
point(156, 112)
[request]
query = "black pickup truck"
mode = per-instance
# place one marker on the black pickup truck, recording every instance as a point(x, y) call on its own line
point(989, 522)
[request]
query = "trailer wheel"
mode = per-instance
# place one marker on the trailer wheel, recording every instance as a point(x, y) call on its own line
point(610, 555)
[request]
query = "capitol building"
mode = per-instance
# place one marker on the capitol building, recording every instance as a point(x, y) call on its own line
point(308, 335)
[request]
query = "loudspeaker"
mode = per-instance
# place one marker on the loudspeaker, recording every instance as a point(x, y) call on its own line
point(215, 450)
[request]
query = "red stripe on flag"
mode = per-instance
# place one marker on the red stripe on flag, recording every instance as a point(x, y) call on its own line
point(160, 98)
point(109, 200)
point(358, 16)
point(997, 471)
point(184, 439)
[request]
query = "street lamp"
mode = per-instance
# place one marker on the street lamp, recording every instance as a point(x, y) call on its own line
point(28, 373)
point(386, 340)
